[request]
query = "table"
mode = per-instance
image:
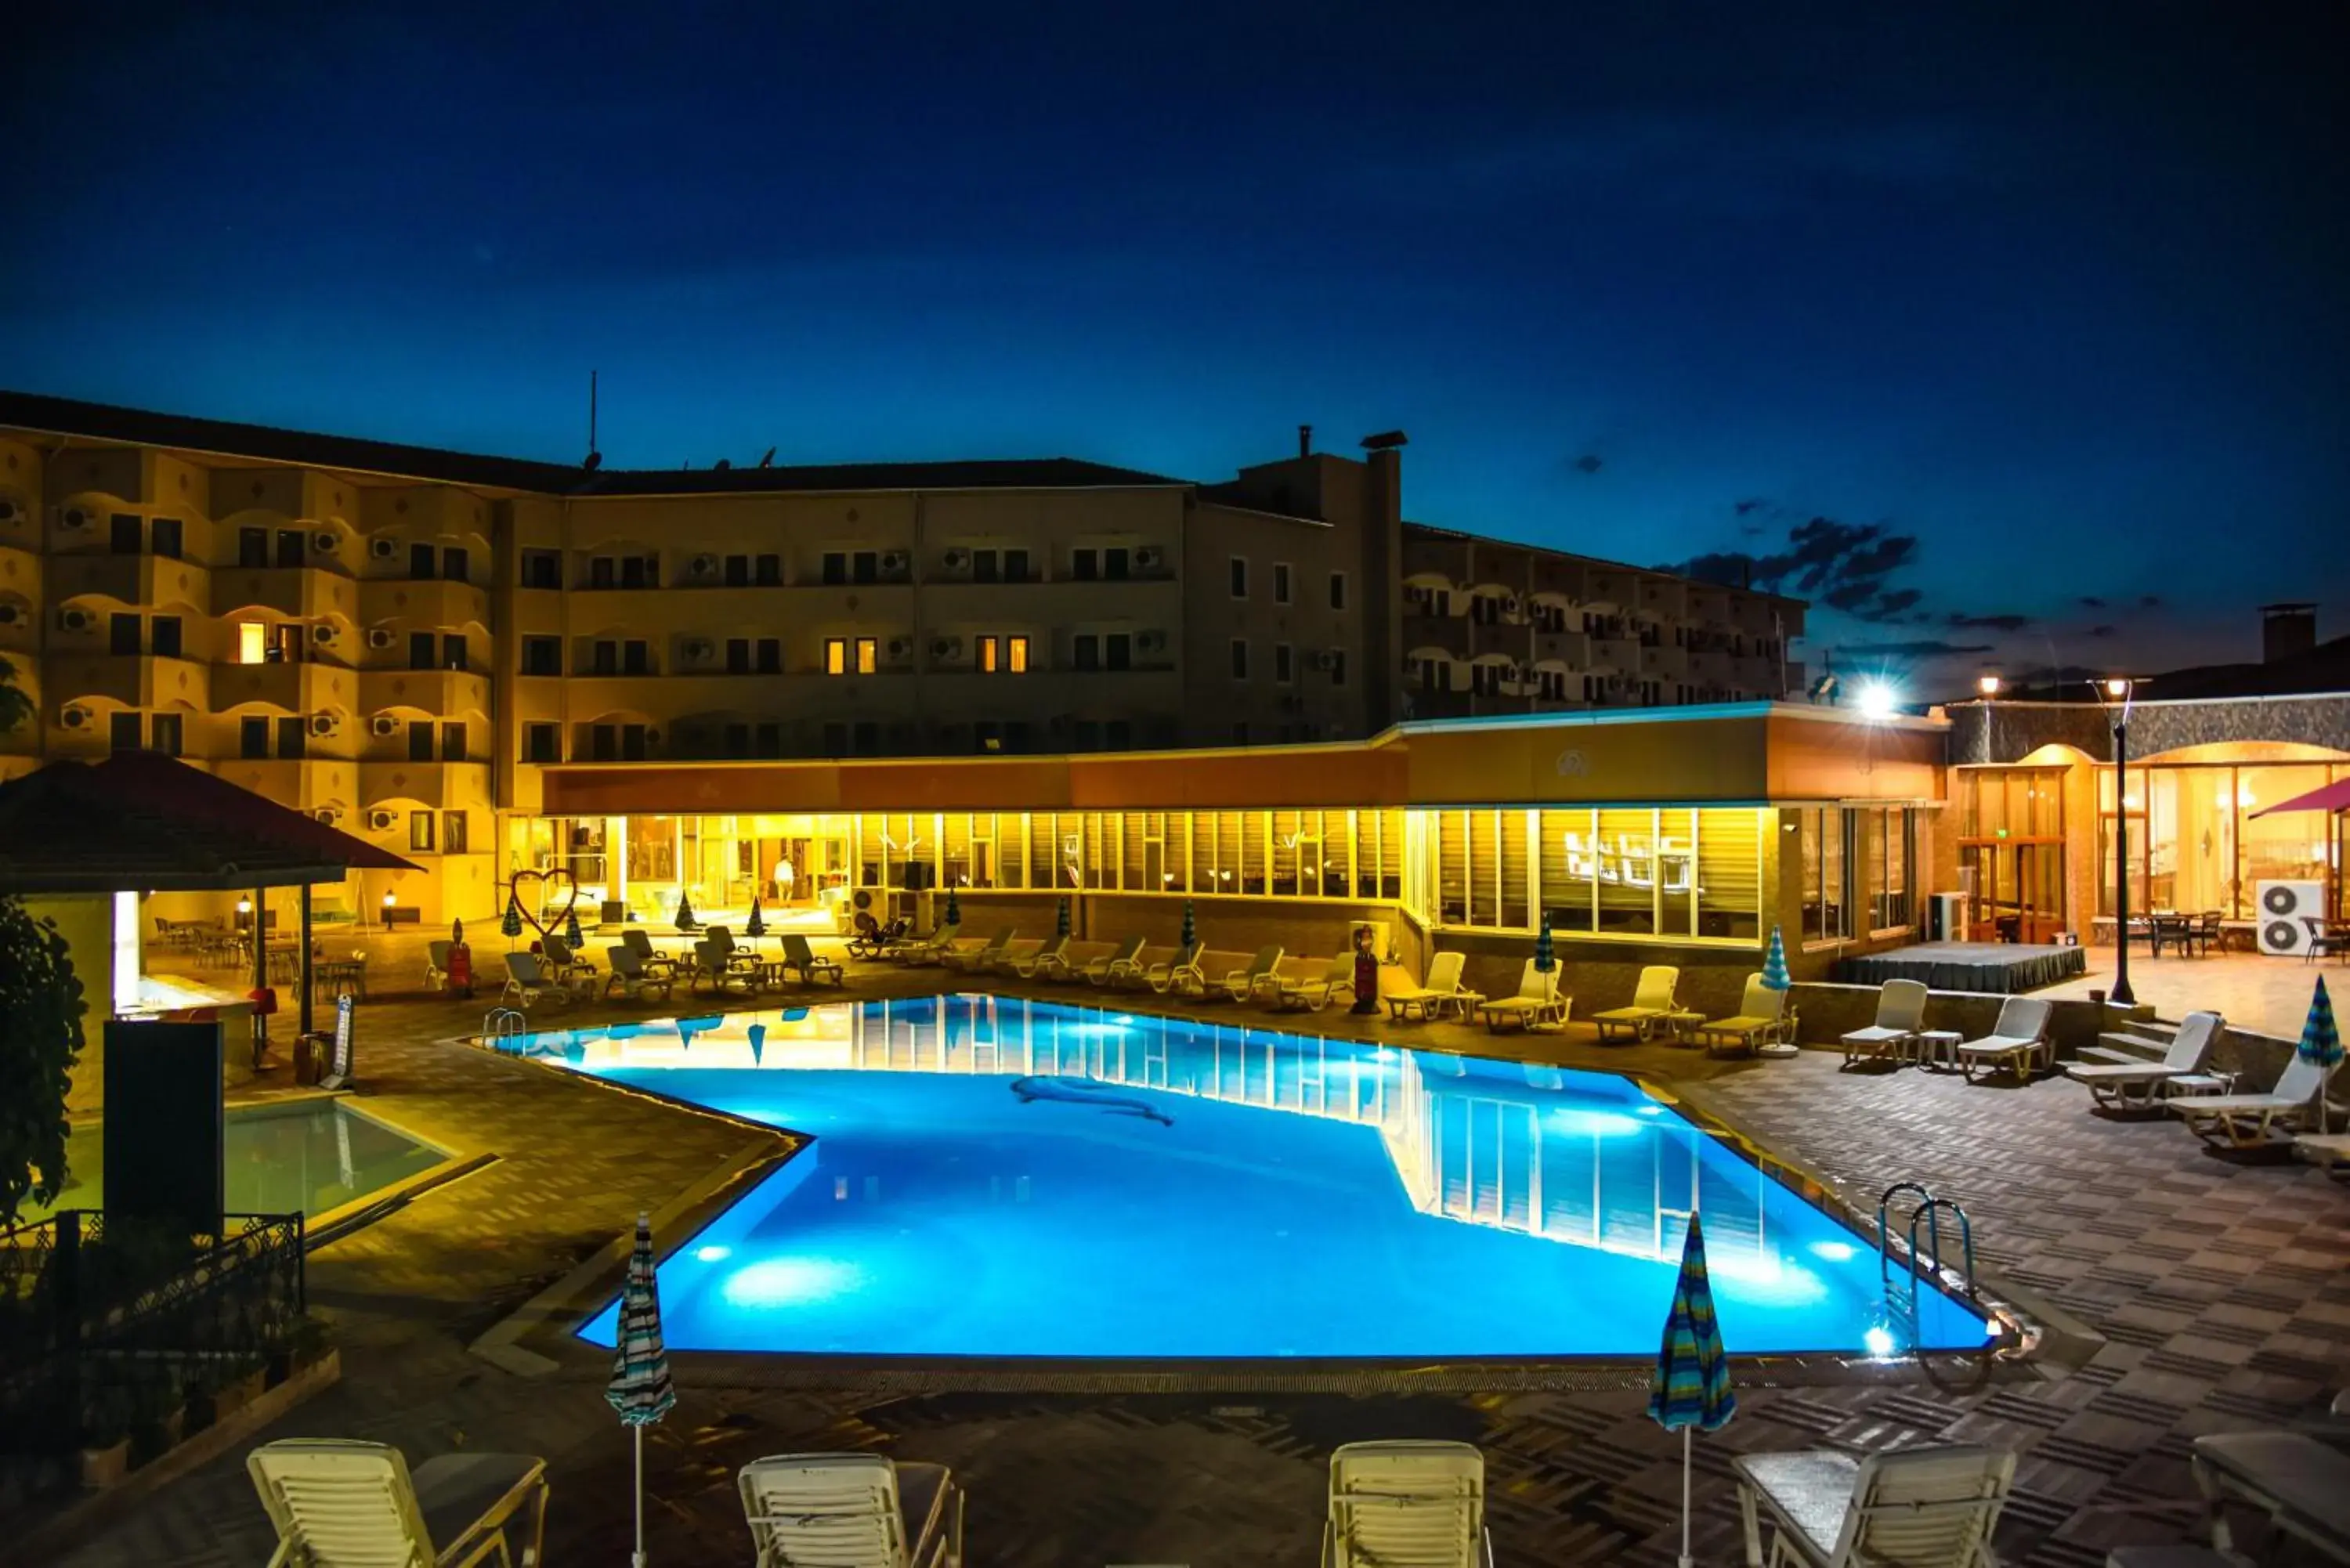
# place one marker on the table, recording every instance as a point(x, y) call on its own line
point(1682, 1024)
point(331, 973)
point(1935, 1047)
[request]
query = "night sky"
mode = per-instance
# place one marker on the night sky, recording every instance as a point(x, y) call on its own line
point(2015, 338)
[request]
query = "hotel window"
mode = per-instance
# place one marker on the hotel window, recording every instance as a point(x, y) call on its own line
point(1284, 660)
point(424, 562)
point(1335, 659)
point(129, 538)
point(541, 743)
point(164, 636)
point(767, 571)
point(1553, 682)
point(1117, 651)
point(636, 657)
point(452, 741)
point(293, 738)
point(290, 546)
point(453, 651)
point(1240, 659)
point(986, 565)
point(1485, 609)
point(599, 572)
point(456, 565)
point(770, 652)
point(604, 657)
point(1891, 849)
point(769, 739)
point(452, 832)
point(1338, 590)
point(868, 656)
point(1085, 650)
point(1114, 562)
point(165, 539)
point(1240, 576)
point(420, 832)
point(604, 743)
point(253, 739)
point(1827, 890)
point(1118, 735)
point(541, 656)
point(634, 741)
point(836, 656)
point(738, 656)
point(738, 741)
point(1280, 582)
point(163, 734)
point(1485, 680)
point(122, 634)
point(542, 568)
point(737, 571)
point(1435, 673)
point(640, 571)
point(253, 546)
point(420, 740)
point(1003, 655)
point(1085, 566)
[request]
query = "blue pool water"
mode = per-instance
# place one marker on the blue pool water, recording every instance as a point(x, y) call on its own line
point(1000, 1178)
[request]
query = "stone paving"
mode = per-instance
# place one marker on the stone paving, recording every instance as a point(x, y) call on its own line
point(2221, 1286)
point(2266, 995)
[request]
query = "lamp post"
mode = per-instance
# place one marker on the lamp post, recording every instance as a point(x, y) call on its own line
point(2118, 716)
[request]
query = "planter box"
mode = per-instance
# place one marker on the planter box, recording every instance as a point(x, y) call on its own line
point(238, 1392)
point(106, 1467)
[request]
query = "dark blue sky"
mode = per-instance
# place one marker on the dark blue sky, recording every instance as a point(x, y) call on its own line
point(2054, 306)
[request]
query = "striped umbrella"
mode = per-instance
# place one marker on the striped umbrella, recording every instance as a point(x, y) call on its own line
point(1061, 921)
point(1191, 936)
point(1692, 1387)
point(1774, 964)
point(954, 907)
point(510, 923)
point(1546, 956)
point(640, 1389)
point(757, 926)
point(2321, 1043)
point(573, 937)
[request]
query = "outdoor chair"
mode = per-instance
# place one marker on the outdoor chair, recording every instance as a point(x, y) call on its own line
point(2140, 1086)
point(2018, 1039)
point(1263, 972)
point(527, 982)
point(2173, 931)
point(334, 1501)
point(1922, 1508)
point(1439, 992)
point(1652, 1003)
point(2300, 1484)
point(1537, 1001)
point(2325, 941)
point(566, 962)
point(980, 959)
point(732, 953)
point(1901, 1013)
point(710, 968)
point(630, 975)
point(1311, 994)
point(641, 944)
point(803, 959)
point(1050, 961)
point(1180, 973)
point(2207, 931)
point(1407, 1501)
point(1761, 1015)
point(436, 964)
point(1125, 963)
point(2244, 1120)
point(924, 949)
point(851, 1511)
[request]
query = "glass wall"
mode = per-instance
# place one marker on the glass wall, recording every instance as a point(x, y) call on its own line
point(2196, 846)
point(1618, 871)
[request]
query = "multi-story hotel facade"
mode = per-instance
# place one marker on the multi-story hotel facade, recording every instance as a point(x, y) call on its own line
point(407, 642)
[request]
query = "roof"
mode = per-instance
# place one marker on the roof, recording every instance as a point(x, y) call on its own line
point(143, 821)
point(1430, 531)
point(2322, 670)
point(226, 438)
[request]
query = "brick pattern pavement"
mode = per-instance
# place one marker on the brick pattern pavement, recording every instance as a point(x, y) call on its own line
point(2222, 1285)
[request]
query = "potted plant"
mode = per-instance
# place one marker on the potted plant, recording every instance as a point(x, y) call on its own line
point(241, 1387)
point(308, 1343)
point(104, 1442)
point(162, 1417)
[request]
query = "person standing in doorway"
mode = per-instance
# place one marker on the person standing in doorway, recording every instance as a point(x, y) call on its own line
point(784, 877)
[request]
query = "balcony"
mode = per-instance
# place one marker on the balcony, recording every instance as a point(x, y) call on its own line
point(1448, 632)
point(131, 579)
point(445, 786)
point(299, 593)
point(1620, 653)
point(1664, 661)
point(438, 691)
point(135, 680)
point(304, 783)
point(423, 602)
point(1572, 649)
point(1513, 639)
point(293, 688)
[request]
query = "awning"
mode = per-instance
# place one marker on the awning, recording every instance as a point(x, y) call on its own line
point(2334, 796)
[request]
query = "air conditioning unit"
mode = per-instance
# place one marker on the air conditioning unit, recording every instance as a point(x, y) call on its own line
point(9, 614)
point(1327, 659)
point(77, 620)
point(325, 541)
point(946, 647)
point(382, 820)
point(902, 647)
point(74, 718)
point(2291, 914)
point(322, 724)
point(324, 636)
point(1152, 641)
point(383, 549)
point(329, 814)
point(704, 566)
point(10, 512)
point(698, 651)
point(384, 724)
point(1148, 557)
point(1509, 606)
point(73, 517)
point(893, 562)
point(957, 560)
point(380, 637)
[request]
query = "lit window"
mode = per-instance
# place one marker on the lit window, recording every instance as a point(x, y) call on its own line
point(1017, 655)
point(836, 656)
point(869, 656)
point(987, 654)
point(252, 642)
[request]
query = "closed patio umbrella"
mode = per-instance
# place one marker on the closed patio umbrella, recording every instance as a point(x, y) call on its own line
point(1692, 1387)
point(1774, 964)
point(1546, 955)
point(2321, 1043)
point(640, 1389)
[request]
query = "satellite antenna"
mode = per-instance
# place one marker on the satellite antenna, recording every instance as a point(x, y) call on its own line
point(594, 457)
point(767, 458)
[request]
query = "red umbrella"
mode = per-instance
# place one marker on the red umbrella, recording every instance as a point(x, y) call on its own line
point(2334, 796)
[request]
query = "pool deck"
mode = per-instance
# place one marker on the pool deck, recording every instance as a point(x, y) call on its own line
point(2221, 1284)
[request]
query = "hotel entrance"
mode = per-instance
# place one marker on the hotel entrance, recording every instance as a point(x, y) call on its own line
point(797, 867)
point(2019, 889)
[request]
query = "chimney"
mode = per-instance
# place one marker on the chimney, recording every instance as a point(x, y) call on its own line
point(2287, 631)
point(1305, 441)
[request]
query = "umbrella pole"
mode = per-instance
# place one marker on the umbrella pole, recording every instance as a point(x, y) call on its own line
point(638, 1559)
point(1686, 1559)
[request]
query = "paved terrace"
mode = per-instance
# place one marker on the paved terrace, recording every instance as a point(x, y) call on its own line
point(2222, 1285)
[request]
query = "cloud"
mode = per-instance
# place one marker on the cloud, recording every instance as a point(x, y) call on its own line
point(1751, 503)
point(2151, 601)
point(1846, 567)
point(1587, 465)
point(2008, 622)
point(1921, 647)
point(2088, 601)
point(2101, 631)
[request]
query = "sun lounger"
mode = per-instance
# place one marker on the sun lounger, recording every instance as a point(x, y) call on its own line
point(2140, 1086)
point(732, 954)
point(1313, 993)
point(1901, 1013)
point(629, 976)
point(980, 959)
point(1402, 1502)
point(714, 966)
point(1537, 1001)
point(1263, 973)
point(1922, 1508)
point(641, 944)
point(563, 961)
point(806, 962)
point(526, 981)
point(1181, 974)
point(1652, 1003)
point(2018, 1038)
point(335, 1501)
point(851, 1511)
point(870, 939)
point(1124, 964)
point(2329, 1149)
point(925, 949)
point(1761, 1015)
point(1439, 992)
point(436, 964)
point(1047, 963)
point(2244, 1120)
point(2302, 1484)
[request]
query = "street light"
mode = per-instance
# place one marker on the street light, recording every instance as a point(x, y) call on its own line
point(1876, 701)
point(2118, 689)
point(1987, 684)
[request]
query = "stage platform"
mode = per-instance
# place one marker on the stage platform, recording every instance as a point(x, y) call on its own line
point(1998, 968)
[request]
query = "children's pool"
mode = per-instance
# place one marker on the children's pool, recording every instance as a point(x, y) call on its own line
point(992, 1176)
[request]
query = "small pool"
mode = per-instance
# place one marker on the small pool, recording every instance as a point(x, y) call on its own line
point(992, 1176)
point(313, 1156)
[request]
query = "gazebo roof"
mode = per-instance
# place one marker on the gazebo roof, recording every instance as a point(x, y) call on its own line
point(141, 821)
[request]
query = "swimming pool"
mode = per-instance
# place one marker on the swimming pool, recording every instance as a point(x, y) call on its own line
point(992, 1176)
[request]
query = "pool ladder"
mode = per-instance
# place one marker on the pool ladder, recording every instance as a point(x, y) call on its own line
point(501, 1024)
point(1930, 1209)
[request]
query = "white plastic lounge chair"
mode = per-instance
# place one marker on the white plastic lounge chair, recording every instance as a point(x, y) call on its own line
point(715, 966)
point(925, 949)
point(1760, 1016)
point(436, 964)
point(1313, 993)
point(810, 965)
point(2329, 1149)
point(851, 1511)
point(1652, 1003)
point(527, 982)
point(641, 943)
point(1263, 973)
point(1046, 963)
point(1901, 1013)
point(2302, 1484)
point(1922, 1508)
point(1407, 1504)
point(1181, 974)
point(564, 961)
point(980, 959)
point(2018, 1039)
point(1537, 1001)
point(2141, 1085)
point(335, 1501)
point(2244, 1120)
point(1440, 992)
point(630, 977)
point(1124, 964)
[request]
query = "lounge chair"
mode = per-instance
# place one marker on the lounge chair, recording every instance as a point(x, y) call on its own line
point(1537, 1003)
point(1652, 1003)
point(2018, 1039)
point(1922, 1508)
point(630, 975)
point(1125, 963)
point(2329, 1149)
point(335, 1501)
point(980, 959)
point(1263, 973)
point(714, 966)
point(1900, 1012)
point(919, 950)
point(2244, 1120)
point(1440, 992)
point(638, 942)
point(2302, 1484)
point(735, 955)
point(566, 962)
point(1048, 963)
point(1180, 973)
point(851, 1511)
point(1404, 1501)
point(436, 964)
point(804, 960)
point(527, 982)
point(2141, 1085)
point(1313, 993)
point(1760, 1016)
point(870, 939)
